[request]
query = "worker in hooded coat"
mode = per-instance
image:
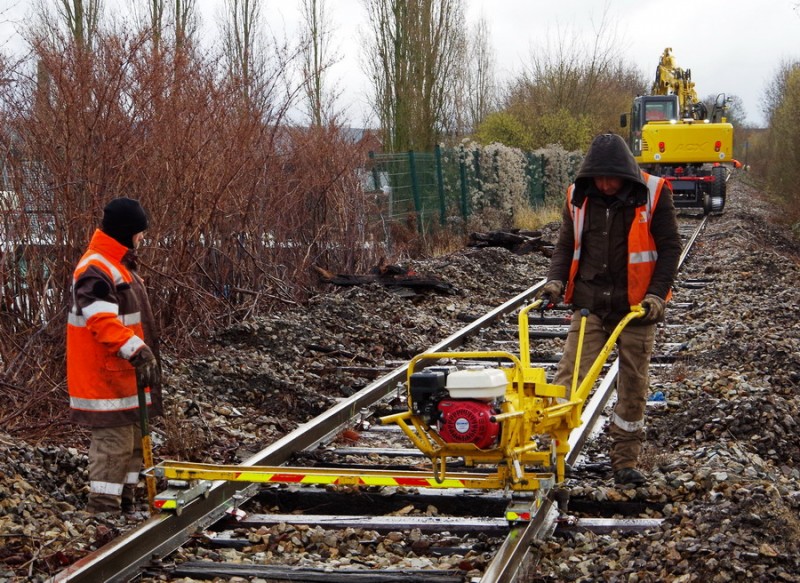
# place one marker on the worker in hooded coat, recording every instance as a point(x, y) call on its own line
point(618, 246)
point(112, 349)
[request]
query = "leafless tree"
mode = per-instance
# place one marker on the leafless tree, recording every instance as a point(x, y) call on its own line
point(413, 55)
point(81, 18)
point(156, 16)
point(480, 74)
point(568, 70)
point(168, 21)
point(781, 161)
point(776, 89)
point(242, 40)
point(185, 14)
point(317, 60)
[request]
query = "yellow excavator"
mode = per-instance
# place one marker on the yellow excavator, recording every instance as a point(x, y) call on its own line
point(673, 135)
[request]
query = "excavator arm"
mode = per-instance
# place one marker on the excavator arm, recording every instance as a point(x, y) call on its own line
point(672, 80)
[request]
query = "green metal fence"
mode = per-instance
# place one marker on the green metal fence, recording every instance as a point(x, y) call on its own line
point(440, 186)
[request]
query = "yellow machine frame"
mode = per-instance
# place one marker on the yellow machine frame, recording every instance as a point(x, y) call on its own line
point(530, 409)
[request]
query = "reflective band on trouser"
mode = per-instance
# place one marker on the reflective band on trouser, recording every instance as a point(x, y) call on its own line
point(629, 426)
point(132, 478)
point(106, 488)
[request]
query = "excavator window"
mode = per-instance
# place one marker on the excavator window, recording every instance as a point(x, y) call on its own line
point(660, 108)
point(655, 112)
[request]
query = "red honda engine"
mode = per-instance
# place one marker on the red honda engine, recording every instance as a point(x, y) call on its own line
point(468, 421)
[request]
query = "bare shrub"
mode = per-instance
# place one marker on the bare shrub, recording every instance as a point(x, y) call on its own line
point(240, 204)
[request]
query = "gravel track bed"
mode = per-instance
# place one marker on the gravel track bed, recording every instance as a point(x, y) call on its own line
point(721, 454)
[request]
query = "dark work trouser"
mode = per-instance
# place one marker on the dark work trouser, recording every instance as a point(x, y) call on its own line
point(115, 460)
point(635, 347)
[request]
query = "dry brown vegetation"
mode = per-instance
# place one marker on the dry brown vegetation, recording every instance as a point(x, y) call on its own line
point(772, 154)
point(241, 204)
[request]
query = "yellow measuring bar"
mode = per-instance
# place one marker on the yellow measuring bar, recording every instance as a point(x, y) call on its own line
point(172, 470)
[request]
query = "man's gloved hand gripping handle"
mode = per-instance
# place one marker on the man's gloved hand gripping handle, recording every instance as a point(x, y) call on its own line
point(654, 308)
point(146, 365)
point(550, 292)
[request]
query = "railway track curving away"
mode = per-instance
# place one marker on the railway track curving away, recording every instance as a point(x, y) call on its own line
point(722, 486)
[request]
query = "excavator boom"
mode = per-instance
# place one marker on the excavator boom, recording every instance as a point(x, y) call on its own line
point(672, 80)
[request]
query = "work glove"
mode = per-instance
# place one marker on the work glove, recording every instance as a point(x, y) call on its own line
point(654, 308)
point(550, 292)
point(148, 372)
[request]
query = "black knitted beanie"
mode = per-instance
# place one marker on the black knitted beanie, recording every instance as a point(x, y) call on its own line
point(122, 219)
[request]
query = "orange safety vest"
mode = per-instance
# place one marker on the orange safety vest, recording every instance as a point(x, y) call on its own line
point(101, 337)
point(642, 252)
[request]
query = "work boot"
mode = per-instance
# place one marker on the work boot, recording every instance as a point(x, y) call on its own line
point(627, 476)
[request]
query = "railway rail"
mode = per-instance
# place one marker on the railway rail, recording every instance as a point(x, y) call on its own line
point(148, 547)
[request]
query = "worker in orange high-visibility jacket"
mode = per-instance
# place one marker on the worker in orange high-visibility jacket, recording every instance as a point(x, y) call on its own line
point(618, 246)
point(112, 345)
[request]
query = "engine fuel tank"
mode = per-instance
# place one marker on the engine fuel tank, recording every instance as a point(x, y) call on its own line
point(477, 382)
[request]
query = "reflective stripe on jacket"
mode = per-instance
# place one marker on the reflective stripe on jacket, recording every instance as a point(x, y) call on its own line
point(104, 330)
point(642, 253)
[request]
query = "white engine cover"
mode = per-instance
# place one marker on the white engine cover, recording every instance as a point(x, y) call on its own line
point(477, 382)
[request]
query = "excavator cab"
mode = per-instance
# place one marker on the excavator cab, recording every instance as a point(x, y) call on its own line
point(646, 109)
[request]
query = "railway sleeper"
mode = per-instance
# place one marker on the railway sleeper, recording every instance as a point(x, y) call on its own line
point(209, 570)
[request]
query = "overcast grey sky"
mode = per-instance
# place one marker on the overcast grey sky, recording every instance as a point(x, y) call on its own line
point(731, 46)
